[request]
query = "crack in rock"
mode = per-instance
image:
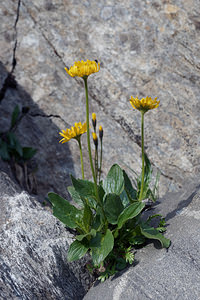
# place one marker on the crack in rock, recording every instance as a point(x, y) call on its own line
point(10, 81)
point(14, 62)
point(44, 36)
point(49, 116)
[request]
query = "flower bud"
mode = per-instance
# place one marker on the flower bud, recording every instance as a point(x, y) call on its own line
point(95, 139)
point(94, 121)
point(100, 132)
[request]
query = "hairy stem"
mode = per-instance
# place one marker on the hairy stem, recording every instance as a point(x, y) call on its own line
point(88, 138)
point(89, 152)
point(81, 156)
point(101, 155)
point(96, 162)
point(142, 136)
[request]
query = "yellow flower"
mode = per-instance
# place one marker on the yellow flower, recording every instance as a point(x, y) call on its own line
point(144, 104)
point(73, 133)
point(83, 68)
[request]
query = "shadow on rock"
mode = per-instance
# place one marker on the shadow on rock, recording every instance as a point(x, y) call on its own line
point(52, 163)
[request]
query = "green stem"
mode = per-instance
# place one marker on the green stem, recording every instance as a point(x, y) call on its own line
point(81, 156)
point(96, 157)
point(89, 151)
point(101, 155)
point(142, 135)
point(88, 138)
point(96, 162)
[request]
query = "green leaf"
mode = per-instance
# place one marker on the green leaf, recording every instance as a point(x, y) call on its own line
point(113, 207)
point(96, 241)
point(75, 196)
point(150, 218)
point(97, 222)
point(84, 188)
point(129, 256)
point(150, 195)
point(18, 148)
point(11, 138)
point(137, 238)
point(101, 193)
point(100, 252)
point(4, 152)
point(80, 237)
point(124, 198)
point(130, 212)
point(114, 182)
point(147, 179)
point(14, 143)
point(131, 192)
point(28, 152)
point(153, 233)
point(120, 263)
point(15, 116)
point(76, 251)
point(148, 170)
point(87, 217)
point(99, 219)
point(64, 211)
point(155, 190)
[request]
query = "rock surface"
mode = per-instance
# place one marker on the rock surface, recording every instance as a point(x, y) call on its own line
point(145, 48)
point(160, 274)
point(52, 162)
point(33, 247)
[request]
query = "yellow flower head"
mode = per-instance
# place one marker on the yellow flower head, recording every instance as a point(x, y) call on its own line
point(73, 133)
point(83, 68)
point(144, 104)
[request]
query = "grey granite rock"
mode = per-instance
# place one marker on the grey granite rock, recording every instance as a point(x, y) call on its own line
point(159, 273)
point(145, 48)
point(9, 16)
point(33, 247)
